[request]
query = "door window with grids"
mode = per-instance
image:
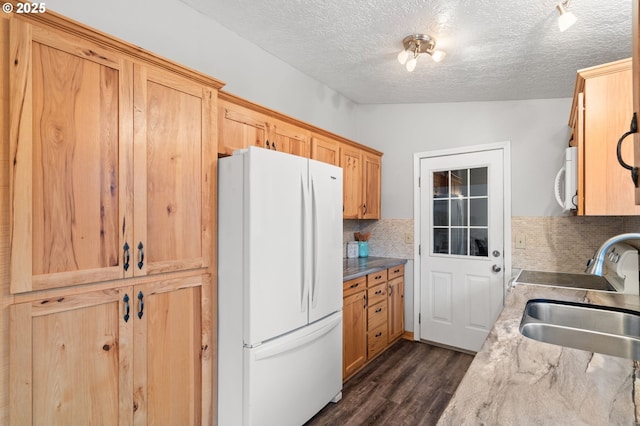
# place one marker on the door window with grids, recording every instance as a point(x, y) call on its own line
point(460, 212)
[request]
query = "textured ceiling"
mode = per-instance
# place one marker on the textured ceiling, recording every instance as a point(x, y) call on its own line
point(496, 49)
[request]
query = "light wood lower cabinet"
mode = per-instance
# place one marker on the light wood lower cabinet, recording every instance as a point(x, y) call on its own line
point(396, 308)
point(354, 317)
point(115, 356)
point(373, 316)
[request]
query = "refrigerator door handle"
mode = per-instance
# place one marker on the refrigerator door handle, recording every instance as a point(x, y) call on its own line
point(315, 250)
point(268, 351)
point(305, 241)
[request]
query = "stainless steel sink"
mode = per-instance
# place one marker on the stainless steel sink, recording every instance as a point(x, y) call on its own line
point(593, 328)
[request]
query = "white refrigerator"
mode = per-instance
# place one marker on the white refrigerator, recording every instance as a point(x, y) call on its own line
point(279, 288)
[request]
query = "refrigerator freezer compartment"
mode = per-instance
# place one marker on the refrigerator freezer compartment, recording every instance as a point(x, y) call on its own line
point(288, 380)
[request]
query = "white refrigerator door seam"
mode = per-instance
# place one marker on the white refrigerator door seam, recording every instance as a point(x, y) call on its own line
point(314, 266)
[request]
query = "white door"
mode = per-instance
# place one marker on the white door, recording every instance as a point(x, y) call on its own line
point(276, 208)
point(462, 245)
point(325, 187)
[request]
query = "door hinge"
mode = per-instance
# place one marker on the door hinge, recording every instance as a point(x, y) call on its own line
point(419, 318)
point(419, 249)
point(419, 181)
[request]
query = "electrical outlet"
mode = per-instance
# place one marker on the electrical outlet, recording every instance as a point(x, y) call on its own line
point(521, 241)
point(408, 238)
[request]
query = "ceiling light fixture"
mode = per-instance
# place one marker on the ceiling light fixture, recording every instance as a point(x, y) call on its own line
point(566, 18)
point(416, 44)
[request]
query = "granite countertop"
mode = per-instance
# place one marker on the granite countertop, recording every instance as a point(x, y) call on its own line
point(516, 380)
point(360, 266)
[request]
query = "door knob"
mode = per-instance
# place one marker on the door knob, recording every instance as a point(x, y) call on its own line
point(496, 268)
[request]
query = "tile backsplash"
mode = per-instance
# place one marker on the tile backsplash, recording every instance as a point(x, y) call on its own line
point(387, 236)
point(564, 243)
point(552, 243)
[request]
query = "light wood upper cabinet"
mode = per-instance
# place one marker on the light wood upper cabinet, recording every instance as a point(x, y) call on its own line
point(239, 128)
point(371, 191)
point(289, 139)
point(351, 163)
point(71, 146)
point(172, 210)
point(123, 356)
point(325, 150)
point(361, 179)
point(97, 193)
point(601, 113)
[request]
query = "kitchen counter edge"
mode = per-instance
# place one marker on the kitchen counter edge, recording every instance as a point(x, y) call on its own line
point(353, 268)
point(517, 380)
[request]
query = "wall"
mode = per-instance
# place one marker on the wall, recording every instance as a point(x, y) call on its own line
point(537, 130)
point(172, 29)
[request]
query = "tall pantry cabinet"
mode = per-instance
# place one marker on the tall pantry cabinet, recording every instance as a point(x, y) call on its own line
point(108, 293)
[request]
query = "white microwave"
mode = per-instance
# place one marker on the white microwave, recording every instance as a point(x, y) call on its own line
point(566, 184)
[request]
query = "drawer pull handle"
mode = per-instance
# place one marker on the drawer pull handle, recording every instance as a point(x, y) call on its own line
point(126, 307)
point(378, 277)
point(379, 292)
point(140, 305)
point(354, 285)
point(365, 300)
point(126, 255)
point(390, 290)
point(378, 310)
point(140, 255)
point(379, 334)
point(396, 271)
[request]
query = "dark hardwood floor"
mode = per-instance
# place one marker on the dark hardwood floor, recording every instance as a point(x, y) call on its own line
point(409, 384)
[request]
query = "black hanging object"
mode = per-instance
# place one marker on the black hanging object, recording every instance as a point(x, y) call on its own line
point(634, 170)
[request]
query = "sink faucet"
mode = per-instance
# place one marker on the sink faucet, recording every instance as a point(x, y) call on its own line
point(594, 266)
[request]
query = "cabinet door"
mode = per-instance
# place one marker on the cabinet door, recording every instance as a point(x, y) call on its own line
point(239, 129)
point(70, 360)
point(71, 140)
point(351, 163)
point(354, 337)
point(172, 161)
point(290, 140)
point(325, 150)
point(396, 308)
point(168, 338)
point(371, 186)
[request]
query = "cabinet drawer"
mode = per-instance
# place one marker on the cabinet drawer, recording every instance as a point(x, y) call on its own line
point(351, 286)
point(376, 277)
point(396, 271)
point(377, 315)
point(377, 294)
point(376, 340)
